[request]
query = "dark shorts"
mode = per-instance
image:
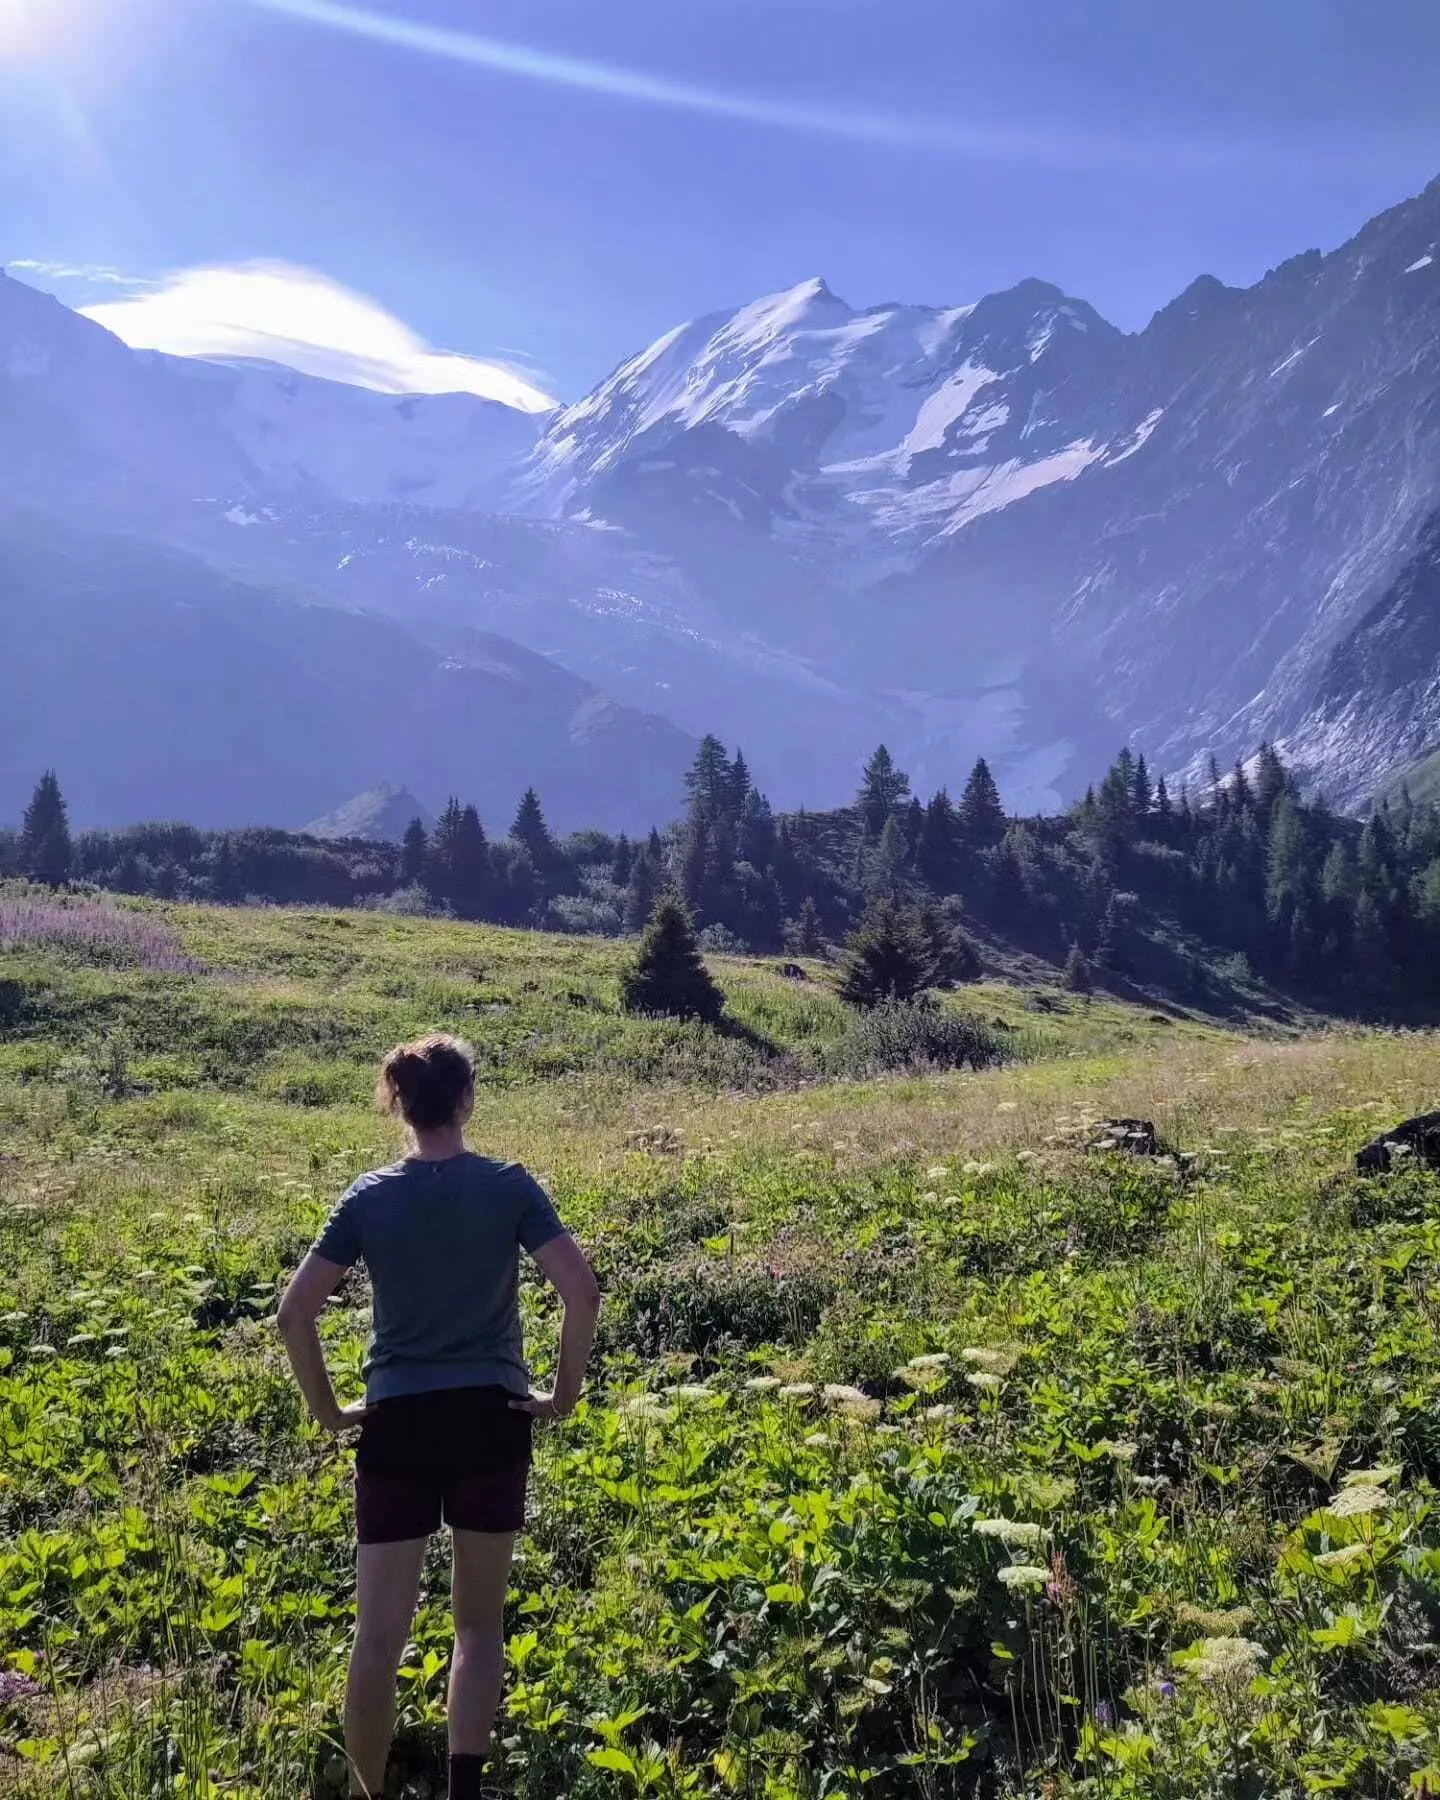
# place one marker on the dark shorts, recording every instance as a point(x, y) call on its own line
point(458, 1455)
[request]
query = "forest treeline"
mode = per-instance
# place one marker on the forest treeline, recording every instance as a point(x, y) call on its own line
point(1188, 892)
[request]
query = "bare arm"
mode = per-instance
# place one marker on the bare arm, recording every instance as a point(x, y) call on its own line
point(310, 1287)
point(563, 1263)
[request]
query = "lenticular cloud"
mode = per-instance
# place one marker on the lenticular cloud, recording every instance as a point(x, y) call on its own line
point(303, 319)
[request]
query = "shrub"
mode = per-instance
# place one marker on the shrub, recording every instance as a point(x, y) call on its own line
point(667, 975)
point(914, 1035)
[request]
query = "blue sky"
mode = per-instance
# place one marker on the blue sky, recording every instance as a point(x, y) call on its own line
point(552, 183)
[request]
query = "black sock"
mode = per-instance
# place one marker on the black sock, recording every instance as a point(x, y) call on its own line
point(467, 1776)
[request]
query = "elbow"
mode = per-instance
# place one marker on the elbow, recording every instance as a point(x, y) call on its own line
point(587, 1301)
point(291, 1320)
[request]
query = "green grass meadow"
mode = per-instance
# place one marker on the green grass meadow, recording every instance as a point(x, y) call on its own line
point(928, 1454)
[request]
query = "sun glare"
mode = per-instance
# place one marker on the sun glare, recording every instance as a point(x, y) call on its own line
point(28, 27)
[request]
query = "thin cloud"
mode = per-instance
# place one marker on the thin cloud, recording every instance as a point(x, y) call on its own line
point(1064, 146)
point(95, 274)
point(295, 316)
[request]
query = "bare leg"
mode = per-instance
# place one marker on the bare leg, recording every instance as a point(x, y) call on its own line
point(478, 1583)
point(387, 1584)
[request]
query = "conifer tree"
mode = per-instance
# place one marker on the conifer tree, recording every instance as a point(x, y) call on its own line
point(1076, 975)
point(805, 935)
point(1144, 797)
point(1271, 782)
point(887, 870)
point(414, 853)
point(45, 849)
point(882, 788)
point(642, 889)
point(982, 817)
point(667, 975)
point(886, 957)
point(224, 871)
point(531, 832)
point(622, 861)
point(937, 854)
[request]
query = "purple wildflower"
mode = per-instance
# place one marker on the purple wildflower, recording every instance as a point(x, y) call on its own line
point(1104, 1715)
point(1166, 1690)
point(14, 1687)
point(101, 933)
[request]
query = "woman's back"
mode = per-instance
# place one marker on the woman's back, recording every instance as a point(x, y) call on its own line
point(441, 1242)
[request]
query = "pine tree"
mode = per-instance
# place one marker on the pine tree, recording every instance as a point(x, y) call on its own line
point(45, 850)
point(1076, 976)
point(885, 958)
point(622, 861)
point(531, 832)
point(414, 853)
point(805, 936)
point(937, 853)
point(1164, 810)
point(458, 867)
point(1110, 944)
point(882, 788)
point(1144, 798)
point(667, 975)
point(1271, 782)
point(982, 817)
point(953, 956)
point(887, 869)
point(224, 871)
point(641, 890)
point(740, 785)
point(470, 866)
point(710, 781)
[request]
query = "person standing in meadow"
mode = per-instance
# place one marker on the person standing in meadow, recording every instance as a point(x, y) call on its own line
point(445, 1426)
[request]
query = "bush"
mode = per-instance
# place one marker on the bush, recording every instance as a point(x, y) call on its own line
point(915, 1036)
point(667, 975)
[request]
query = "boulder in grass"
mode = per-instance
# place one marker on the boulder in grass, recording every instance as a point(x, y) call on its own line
point(1127, 1137)
point(792, 971)
point(1413, 1142)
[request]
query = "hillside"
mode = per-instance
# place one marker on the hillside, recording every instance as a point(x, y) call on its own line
point(927, 1452)
point(166, 689)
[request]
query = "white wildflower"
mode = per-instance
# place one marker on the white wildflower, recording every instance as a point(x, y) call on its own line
point(1010, 1531)
point(839, 1394)
point(985, 1381)
point(762, 1384)
point(1224, 1659)
point(934, 1359)
point(1024, 1575)
point(1356, 1502)
point(798, 1390)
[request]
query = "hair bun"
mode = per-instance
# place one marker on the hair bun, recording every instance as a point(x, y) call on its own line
point(427, 1081)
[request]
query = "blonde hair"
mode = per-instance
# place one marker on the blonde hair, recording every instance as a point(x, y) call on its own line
point(426, 1082)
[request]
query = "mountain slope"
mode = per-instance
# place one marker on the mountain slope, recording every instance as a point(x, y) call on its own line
point(159, 688)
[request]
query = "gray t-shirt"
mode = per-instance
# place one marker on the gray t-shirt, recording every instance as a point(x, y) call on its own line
point(442, 1242)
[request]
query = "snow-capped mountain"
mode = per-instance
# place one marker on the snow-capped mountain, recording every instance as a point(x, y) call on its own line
point(1092, 535)
point(1003, 527)
point(856, 437)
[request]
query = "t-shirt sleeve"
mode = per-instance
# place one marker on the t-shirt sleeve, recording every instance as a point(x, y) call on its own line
point(339, 1239)
point(539, 1222)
